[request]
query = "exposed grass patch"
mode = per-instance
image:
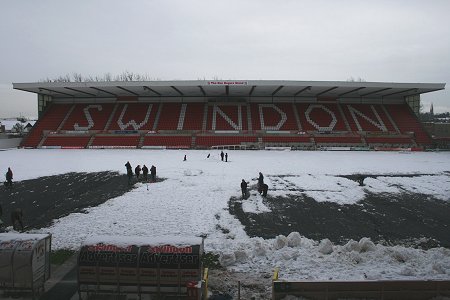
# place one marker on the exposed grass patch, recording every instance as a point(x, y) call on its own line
point(211, 260)
point(58, 257)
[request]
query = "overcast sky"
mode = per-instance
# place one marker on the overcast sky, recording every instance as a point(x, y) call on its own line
point(388, 41)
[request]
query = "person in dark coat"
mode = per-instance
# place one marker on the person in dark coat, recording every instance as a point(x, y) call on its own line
point(129, 171)
point(184, 158)
point(9, 177)
point(265, 187)
point(145, 172)
point(260, 182)
point(16, 219)
point(226, 157)
point(137, 171)
point(153, 172)
point(244, 185)
point(221, 155)
point(209, 154)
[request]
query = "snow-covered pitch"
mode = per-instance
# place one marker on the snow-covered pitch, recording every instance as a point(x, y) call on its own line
point(193, 201)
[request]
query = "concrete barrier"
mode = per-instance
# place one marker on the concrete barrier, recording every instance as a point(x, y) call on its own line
point(380, 289)
point(24, 261)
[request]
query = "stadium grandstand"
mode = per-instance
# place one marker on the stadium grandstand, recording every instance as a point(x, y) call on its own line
point(234, 114)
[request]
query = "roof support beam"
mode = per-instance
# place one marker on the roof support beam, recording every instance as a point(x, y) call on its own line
point(400, 92)
point(374, 92)
point(103, 91)
point(56, 92)
point(78, 91)
point(151, 90)
point(127, 90)
point(352, 91)
point(276, 91)
point(202, 90)
point(327, 90)
point(308, 88)
point(251, 91)
point(177, 90)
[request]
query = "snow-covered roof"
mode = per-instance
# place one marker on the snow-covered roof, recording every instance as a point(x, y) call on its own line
point(22, 236)
point(9, 123)
point(123, 241)
point(198, 90)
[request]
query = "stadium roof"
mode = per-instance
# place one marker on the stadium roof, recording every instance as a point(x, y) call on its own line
point(230, 89)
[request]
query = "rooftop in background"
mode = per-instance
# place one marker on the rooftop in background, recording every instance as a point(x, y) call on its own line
point(276, 89)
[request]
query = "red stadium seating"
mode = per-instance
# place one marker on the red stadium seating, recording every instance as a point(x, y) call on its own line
point(169, 118)
point(88, 117)
point(321, 117)
point(226, 117)
point(50, 121)
point(134, 116)
point(66, 141)
point(363, 117)
point(116, 141)
point(183, 125)
point(217, 140)
point(407, 122)
point(273, 117)
point(169, 141)
point(337, 139)
point(286, 139)
point(193, 116)
point(390, 140)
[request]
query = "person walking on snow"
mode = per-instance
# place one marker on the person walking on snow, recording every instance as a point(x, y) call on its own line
point(221, 155)
point(244, 185)
point(129, 171)
point(153, 173)
point(226, 157)
point(145, 172)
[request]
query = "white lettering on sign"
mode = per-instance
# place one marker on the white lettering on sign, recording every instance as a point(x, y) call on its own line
point(227, 83)
point(217, 110)
point(280, 123)
point(88, 118)
point(133, 123)
point(355, 112)
point(332, 123)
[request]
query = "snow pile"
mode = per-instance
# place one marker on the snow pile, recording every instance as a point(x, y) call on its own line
point(312, 260)
point(325, 246)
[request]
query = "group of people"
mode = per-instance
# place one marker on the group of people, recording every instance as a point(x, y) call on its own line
point(222, 156)
point(262, 187)
point(137, 172)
